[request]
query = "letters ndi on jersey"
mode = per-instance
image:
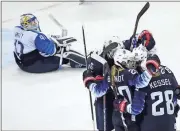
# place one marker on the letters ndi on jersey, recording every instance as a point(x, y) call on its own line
point(159, 83)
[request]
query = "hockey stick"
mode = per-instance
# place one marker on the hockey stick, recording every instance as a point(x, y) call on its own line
point(140, 14)
point(104, 111)
point(64, 33)
point(64, 30)
point(90, 97)
point(113, 86)
point(105, 69)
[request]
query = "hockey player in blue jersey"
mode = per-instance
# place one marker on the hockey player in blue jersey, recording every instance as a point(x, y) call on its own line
point(99, 88)
point(160, 103)
point(97, 71)
point(36, 52)
point(146, 39)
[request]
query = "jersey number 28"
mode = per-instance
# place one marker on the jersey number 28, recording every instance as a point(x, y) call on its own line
point(168, 95)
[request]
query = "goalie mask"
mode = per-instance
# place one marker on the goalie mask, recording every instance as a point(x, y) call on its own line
point(29, 22)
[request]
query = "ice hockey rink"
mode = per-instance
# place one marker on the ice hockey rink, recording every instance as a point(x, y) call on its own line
point(59, 100)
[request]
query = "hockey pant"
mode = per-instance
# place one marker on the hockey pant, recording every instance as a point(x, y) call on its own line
point(160, 123)
point(45, 64)
point(100, 114)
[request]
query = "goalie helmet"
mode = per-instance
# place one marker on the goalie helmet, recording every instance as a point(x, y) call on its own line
point(29, 22)
point(114, 39)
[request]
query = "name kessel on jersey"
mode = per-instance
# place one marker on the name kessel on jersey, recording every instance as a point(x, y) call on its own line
point(159, 83)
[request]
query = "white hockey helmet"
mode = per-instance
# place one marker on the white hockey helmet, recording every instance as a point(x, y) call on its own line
point(29, 22)
point(139, 53)
point(114, 39)
point(122, 58)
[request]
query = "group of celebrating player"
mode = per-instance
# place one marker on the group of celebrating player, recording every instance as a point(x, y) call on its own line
point(140, 93)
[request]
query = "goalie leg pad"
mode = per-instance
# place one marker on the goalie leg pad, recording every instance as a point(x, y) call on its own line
point(75, 57)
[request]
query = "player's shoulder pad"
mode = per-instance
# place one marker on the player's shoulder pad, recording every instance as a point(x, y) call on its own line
point(41, 39)
point(17, 28)
point(43, 44)
point(165, 70)
point(41, 36)
point(129, 74)
point(132, 71)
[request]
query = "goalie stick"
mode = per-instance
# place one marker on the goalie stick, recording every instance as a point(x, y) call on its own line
point(64, 30)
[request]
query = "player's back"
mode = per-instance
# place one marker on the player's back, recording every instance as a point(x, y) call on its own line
point(158, 114)
point(24, 40)
point(121, 77)
point(25, 50)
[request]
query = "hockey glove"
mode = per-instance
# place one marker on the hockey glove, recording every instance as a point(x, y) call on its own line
point(56, 36)
point(120, 105)
point(63, 41)
point(146, 39)
point(88, 78)
point(152, 67)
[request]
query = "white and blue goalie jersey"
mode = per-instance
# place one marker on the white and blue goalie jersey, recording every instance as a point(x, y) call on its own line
point(31, 46)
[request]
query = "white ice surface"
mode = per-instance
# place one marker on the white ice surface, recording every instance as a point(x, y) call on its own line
point(58, 100)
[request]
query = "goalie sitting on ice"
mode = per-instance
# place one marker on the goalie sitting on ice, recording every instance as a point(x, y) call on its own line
point(37, 53)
